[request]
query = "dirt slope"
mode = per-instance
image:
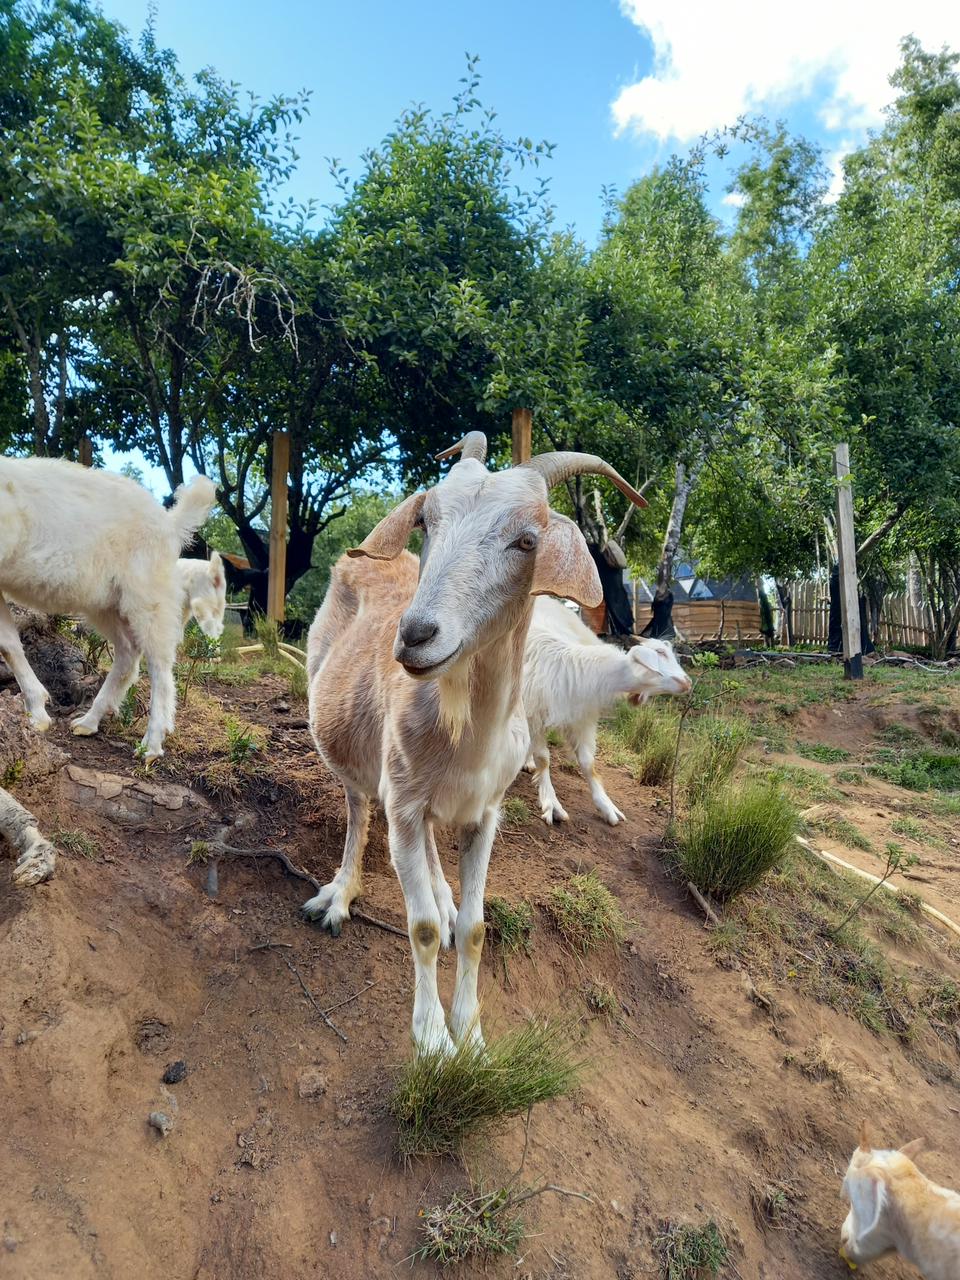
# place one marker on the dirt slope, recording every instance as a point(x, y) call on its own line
point(123, 964)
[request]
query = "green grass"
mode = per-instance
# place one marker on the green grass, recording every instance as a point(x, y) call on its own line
point(917, 769)
point(729, 843)
point(12, 773)
point(803, 783)
point(242, 742)
point(469, 1227)
point(602, 999)
point(73, 841)
point(822, 753)
point(711, 753)
point(691, 1253)
point(514, 811)
point(851, 777)
point(509, 924)
point(837, 827)
point(644, 740)
point(443, 1101)
point(585, 913)
point(915, 830)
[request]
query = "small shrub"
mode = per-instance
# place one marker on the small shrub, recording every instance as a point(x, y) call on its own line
point(12, 773)
point(268, 634)
point(514, 811)
point(199, 853)
point(729, 844)
point(77, 842)
point(649, 740)
point(712, 753)
point(851, 777)
point(917, 770)
point(480, 1226)
point(509, 924)
point(241, 741)
point(822, 753)
point(586, 913)
point(602, 1000)
point(691, 1253)
point(442, 1100)
point(820, 1061)
point(706, 659)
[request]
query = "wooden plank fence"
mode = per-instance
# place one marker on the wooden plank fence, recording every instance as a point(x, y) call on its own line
point(901, 622)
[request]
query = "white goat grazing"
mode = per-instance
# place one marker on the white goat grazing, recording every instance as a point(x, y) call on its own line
point(895, 1209)
point(570, 679)
point(78, 540)
point(415, 693)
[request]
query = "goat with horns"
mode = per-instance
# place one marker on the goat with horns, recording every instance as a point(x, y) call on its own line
point(415, 674)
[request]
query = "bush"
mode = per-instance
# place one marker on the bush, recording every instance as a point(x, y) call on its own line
point(649, 737)
point(441, 1100)
point(711, 754)
point(586, 913)
point(689, 1253)
point(731, 841)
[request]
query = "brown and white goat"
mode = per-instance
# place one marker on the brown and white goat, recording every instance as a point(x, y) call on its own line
point(895, 1209)
point(415, 676)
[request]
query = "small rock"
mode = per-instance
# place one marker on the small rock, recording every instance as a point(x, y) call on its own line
point(333, 1239)
point(311, 1083)
point(10, 1244)
point(283, 707)
point(175, 1072)
point(26, 1036)
point(160, 1121)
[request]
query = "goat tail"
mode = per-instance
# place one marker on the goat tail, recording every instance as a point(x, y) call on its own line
point(192, 503)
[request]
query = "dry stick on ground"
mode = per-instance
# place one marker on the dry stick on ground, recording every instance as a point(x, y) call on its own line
point(703, 903)
point(310, 996)
point(37, 856)
point(232, 851)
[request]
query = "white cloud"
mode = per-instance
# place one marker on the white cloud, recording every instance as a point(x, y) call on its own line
point(713, 62)
point(736, 199)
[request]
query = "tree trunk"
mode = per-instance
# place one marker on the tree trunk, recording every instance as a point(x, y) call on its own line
point(785, 596)
point(662, 621)
point(37, 857)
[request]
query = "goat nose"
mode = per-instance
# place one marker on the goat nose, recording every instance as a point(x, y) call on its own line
point(417, 630)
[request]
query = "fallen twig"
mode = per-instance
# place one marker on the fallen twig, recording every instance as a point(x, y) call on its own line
point(270, 946)
point(703, 903)
point(378, 924)
point(349, 1000)
point(309, 994)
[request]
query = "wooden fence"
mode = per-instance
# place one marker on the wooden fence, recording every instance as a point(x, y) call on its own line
point(901, 623)
point(696, 620)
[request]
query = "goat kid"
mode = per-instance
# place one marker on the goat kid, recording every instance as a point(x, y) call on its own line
point(415, 677)
point(78, 540)
point(570, 679)
point(895, 1209)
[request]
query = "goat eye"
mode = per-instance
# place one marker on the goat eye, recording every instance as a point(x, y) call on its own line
point(526, 542)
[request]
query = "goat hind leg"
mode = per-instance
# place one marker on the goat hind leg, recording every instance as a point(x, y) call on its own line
point(126, 667)
point(334, 899)
point(584, 744)
point(551, 810)
point(441, 891)
point(35, 696)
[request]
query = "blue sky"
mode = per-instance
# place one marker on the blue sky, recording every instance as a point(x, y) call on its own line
point(613, 85)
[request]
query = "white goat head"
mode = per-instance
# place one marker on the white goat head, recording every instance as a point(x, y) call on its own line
point(657, 671)
point(894, 1208)
point(490, 541)
point(204, 593)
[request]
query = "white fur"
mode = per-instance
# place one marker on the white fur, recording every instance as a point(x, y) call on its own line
point(894, 1208)
point(78, 540)
point(570, 679)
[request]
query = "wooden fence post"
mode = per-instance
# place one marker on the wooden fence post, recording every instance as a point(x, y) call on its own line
point(522, 435)
point(849, 599)
point(276, 582)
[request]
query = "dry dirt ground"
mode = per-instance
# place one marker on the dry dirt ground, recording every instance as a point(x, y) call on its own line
point(280, 1163)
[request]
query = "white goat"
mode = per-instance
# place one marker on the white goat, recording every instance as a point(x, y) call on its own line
point(78, 540)
point(570, 679)
point(895, 1209)
point(415, 697)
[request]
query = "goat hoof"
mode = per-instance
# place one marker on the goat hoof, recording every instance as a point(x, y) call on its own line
point(40, 722)
point(82, 730)
point(614, 817)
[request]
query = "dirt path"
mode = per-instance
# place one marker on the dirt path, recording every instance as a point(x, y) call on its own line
point(280, 1163)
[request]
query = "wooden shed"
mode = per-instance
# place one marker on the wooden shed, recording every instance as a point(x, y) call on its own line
point(703, 608)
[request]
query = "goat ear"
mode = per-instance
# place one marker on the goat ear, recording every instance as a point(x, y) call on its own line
point(564, 565)
point(867, 1196)
point(216, 570)
point(913, 1148)
point(391, 535)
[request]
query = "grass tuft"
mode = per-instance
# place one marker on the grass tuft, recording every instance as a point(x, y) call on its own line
point(509, 924)
point(691, 1253)
point(514, 811)
point(712, 753)
point(443, 1100)
point(475, 1226)
point(77, 842)
point(729, 843)
point(644, 740)
point(822, 753)
point(585, 913)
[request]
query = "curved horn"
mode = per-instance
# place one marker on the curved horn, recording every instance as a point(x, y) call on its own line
point(556, 467)
point(473, 445)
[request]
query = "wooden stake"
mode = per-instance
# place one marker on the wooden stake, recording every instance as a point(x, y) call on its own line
point(522, 435)
point(847, 548)
point(276, 585)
